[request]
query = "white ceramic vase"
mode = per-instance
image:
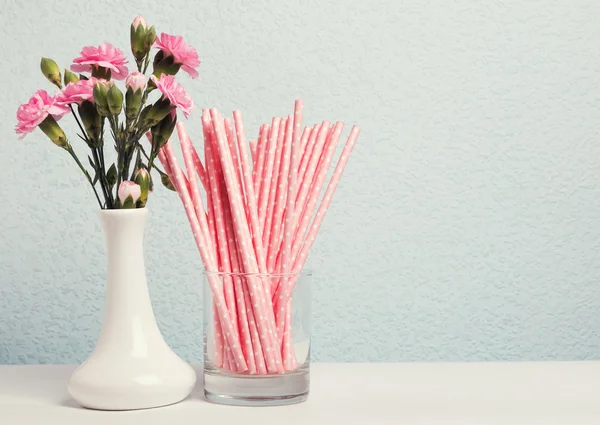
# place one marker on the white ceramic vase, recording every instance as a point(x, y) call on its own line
point(131, 366)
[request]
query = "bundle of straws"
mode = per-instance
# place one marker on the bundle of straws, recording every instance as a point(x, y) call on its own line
point(259, 220)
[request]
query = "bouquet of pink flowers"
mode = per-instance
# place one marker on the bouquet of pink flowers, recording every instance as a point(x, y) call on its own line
point(95, 101)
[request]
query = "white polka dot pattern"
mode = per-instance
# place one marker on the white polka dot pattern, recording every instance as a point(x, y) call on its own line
point(304, 144)
point(267, 176)
point(260, 159)
point(284, 325)
point(316, 186)
point(258, 220)
point(250, 197)
point(226, 322)
point(265, 321)
point(310, 238)
point(309, 165)
point(253, 152)
point(218, 195)
point(272, 193)
point(281, 196)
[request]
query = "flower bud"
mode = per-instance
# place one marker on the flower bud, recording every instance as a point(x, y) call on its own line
point(129, 193)
point(162, 131)
point(91, 119)
point(158, 111)
point(51, 129)
point(149, 38)
point(142, 178)
point(139, 20)
point(114, 98)
point(100, 98)
point(70, 77)
point(138, 35)
point(51, 71)
point(136, 81)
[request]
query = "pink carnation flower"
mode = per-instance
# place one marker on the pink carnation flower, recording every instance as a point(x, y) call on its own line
point(176, 94)
point(77, 92)
point(106, 56)
point(183, 53)
point(32, 113)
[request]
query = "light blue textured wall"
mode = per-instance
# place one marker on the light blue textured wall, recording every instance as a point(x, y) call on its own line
point(466, 227)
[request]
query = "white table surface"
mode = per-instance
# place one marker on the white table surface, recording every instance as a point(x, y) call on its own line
point(371, 394)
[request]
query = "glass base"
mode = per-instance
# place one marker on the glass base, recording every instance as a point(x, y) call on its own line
point(223, 387)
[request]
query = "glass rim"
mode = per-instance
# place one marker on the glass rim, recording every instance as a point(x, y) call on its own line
point(302, 273)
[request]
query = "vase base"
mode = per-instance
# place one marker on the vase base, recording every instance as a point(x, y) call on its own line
point(255, 401)
point(99, 389)
point(223, 387)
point(114, 407)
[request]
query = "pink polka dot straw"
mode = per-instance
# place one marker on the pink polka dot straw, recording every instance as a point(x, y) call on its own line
point(253, 207)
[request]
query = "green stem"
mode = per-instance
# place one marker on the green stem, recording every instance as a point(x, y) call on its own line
point(151, 161)
point(103, 183)
point(102, 178)
point(69, 149)
point(80, 126)
point(103, 168)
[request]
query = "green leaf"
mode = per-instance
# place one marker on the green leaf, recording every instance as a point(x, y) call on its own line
point(111, 176)
point(166, 181)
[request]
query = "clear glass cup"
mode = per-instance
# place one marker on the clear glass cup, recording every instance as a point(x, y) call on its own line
point(256, 338)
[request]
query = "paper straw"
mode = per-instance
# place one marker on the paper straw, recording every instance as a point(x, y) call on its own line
point(187, 150)
point(308, 169)
point(288, 352)
point(264, 315)
point(267, 176)
point(281, 197)
point(272, 193)
point(197, 162)
point(303, 144)
point(245, 335)
point(220, 357)
point(218, 337)
point(259, 358)
point(217, 290)
point(212, 225)
point(191, 166)
point(308, 153)
point(162, 158)
point(219, 198)
point(253, 151)
point(312, 166)
point(234, 155)
point(250, 195)
point(260, 160)
point(284, 293)
point(292, 187)
point(315, 188)
point(289, 227)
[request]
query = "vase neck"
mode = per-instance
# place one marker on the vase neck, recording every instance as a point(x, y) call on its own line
point(127, 297)
point(124, 232)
